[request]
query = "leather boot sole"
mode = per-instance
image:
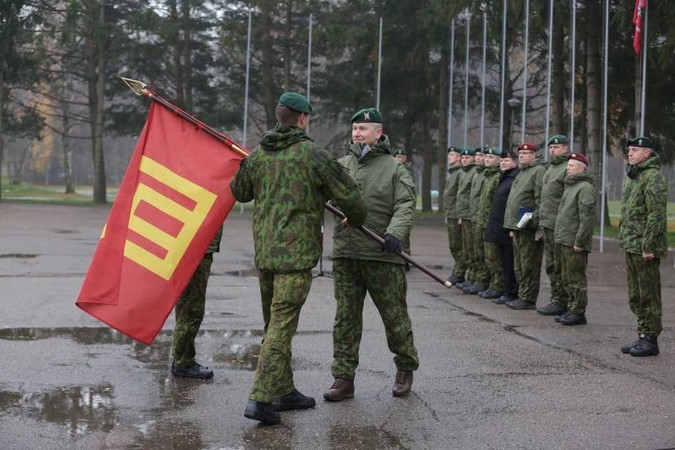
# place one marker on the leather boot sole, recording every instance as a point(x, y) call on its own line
point(401, 394)
point(330, 398)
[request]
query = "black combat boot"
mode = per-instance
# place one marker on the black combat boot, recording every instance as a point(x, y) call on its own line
point(294, 400)
point(573, 319)
point(646, 346)
point(552, 310)
point(502, 300)
point(521, 304)
point(475, 289)
point(489, 294)
point(193, 370)
point(626, 348)
point(262, 412)
point(560, 317)
point(454, 279)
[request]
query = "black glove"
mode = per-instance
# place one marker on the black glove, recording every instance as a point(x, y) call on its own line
point(391, 244)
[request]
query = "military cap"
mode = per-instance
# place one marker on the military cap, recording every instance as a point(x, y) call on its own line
point(367, 115)
point(468, 152)
point(492, 151)
point(455, 149)
point(558, 139)
point(400, 151)
point(480, 150)
point(509, 153)
point(578, 157)
point(296, 102)
point(645, 142)
point(527, 146)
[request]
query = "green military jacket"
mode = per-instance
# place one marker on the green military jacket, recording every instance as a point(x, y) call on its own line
point(476, 189)
point(491, 180)
point(450, 192)
point(576, 216)
point(644, 219)
point(525, 192)
point(464, 191)
point(389, 193)
point(552, 190)
point(290, 179)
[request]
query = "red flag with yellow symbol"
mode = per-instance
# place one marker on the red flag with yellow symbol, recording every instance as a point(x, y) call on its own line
point(172, 200)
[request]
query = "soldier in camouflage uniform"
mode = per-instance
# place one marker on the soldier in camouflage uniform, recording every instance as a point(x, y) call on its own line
point(480, 273)
point(643, 237)
point(189, 316)
point(551, 193)
point(362, 266)
point(290, 179)
point(469, 171)
point(450, 209)
point(528, 252)
point(574, 235)
point(402, 157)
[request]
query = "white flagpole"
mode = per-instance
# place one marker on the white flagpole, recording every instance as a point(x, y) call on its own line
point(452, 79)
point(548, 89)
point(379, 66)
point(248, 71)
point(309, 60)
point(527, 29)
point(482, 105)
point(604, 134)
point(643, 96)
point(573, 69)
point(466, 79)
point(503, 82)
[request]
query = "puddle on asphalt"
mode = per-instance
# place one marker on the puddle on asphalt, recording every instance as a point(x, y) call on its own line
point(347, 436)
point(19, 255)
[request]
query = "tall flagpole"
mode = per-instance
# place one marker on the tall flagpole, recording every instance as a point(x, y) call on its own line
point(643, 96)
point(248, 71)
point(309, 60)
point(524, 113)
point(466, 79)
point(482, 103)
point(604, 133)
point(452, 79)
point(503, 82)
point(573, 67)
point(548, 89)
point(379, 66)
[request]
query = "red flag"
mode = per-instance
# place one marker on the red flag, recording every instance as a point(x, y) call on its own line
point(638, 20)
point(172, 200)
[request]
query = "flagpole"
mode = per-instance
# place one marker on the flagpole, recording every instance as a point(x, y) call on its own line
point(466, 79)
point(482, 105)
point(452, 80)
point(503, 82)
point(643, 96)
point(248, 71)
point(527, 29)
point(603, 188)
point(548, 88)
point(309, 60)
point(379, 66)
point(573, 69)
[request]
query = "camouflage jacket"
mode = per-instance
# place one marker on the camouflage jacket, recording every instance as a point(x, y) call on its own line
point(491, 179)
point(389, 193)
point(476, 189)
point(464, 192)
point(576, 216)
point(450, 192)
point(552, 191)
point(644, 219)
point(290, 179)
point(525, 193)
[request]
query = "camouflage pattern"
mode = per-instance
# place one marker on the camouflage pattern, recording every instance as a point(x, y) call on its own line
point(464, 191)
point(480, 270)
point(274, 375)
point(525, 192)
point(290, 179)
point(450, 193)
point(552, 190)
point(214, 246)
point(455, 244)
point(491, 180)
point(476, 190)
point(494, 259)
point(574, 279)
point(190, 313)
point(389, 194)
point(387, 286)
point(468, 254)
point(528, 255)
point(643, 226)
point(554, 268)
point(644, 293)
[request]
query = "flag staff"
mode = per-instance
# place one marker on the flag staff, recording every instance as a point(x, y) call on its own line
point(573, 69)
point(482, 103)
point(503, 74)
point(643, 96)
point(452, 80)
point(527, 29)
point(548, 86)
point(466, 79)
point(603, 187)
point(379, 66)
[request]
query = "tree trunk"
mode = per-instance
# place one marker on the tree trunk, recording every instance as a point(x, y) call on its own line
point(175, 41)
point(558, 82)
point(67, 147)
point(443, 81)
point(287, 45)
point(187, 59)
point(594, 93)
point(267, 7)
point(428, 155)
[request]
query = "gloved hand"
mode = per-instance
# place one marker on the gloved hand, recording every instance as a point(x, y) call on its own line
point(391, 244)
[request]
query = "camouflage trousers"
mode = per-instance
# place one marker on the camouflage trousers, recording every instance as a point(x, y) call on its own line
point(468, 249)
point(494, 257)
point(480, 270)
point(574, 279)
point(644, 293)
point(387, 286)
point(554, 263)
point(528, 255)
point(190, 313)
point(283, 295)
point(455, 245)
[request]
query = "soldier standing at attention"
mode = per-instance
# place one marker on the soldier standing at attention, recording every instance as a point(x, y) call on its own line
point(450, 208)
point(290, 179)
point(362, 266)
point(528, 252)
point(480, 273)
point(551, 193)
point(469, 171)
point(402, 157)
point(574, 235)
point(643, 237)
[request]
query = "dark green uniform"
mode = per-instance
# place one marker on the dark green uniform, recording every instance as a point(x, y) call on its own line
point(360, 266)
point(528, 253)
point(479, 269)
point(643, 228)
point(406, 241)
point(493, 263)
point(574, 228)
point(454, 231)
point(464, 213)
point(290, 179)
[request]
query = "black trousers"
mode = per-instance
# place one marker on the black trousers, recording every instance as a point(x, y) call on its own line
point(510, 281)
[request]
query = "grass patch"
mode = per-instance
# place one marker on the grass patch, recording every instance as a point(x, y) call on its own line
point(28, 193)
point(612, 232)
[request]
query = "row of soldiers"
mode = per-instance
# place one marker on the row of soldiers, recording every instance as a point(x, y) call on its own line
point(505, 210)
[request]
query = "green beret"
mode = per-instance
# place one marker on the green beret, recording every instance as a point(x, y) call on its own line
point(455, 150)
point(296, 102)
point(468, 152)
point(558, 139)
point(493, 151)
point(367, 115)
point(480, 150)
point(645, 142)
point(400, 151)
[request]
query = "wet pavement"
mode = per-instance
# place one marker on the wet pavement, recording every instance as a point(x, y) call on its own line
point(489, 377)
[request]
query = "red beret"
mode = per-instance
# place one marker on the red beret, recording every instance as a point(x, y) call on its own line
point(578, 157)
point(527, 146)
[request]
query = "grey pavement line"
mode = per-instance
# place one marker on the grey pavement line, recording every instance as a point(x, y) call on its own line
point(514, 329)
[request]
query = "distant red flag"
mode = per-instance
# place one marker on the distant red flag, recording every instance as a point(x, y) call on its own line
point(174, 197)
point(638, 20)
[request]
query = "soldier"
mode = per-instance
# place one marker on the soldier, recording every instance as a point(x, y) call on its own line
point(450, 208)
point(499, 248)
point(551, 193)
point(290, 179)
point(574, 235)
point(189, 316)
point(480, 274)
point(493, 289)
point(469, 171)
point(528, 252)
point(362, 266)
point(402, 157)
point(643, 237)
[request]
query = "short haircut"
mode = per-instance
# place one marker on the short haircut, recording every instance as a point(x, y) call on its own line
point(287, 116)
point(375, 125)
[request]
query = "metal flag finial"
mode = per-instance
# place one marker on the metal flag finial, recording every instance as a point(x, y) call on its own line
point(138, 87)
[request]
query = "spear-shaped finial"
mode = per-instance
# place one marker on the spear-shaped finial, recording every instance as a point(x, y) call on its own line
point(138, 87)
